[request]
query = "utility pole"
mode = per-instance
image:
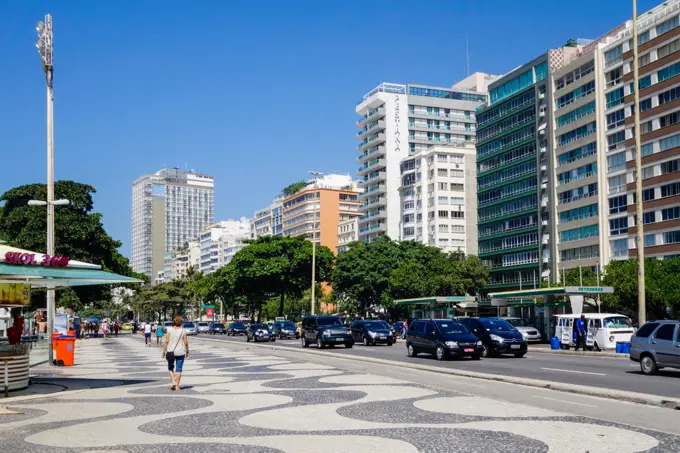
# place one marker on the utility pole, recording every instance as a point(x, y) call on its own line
point(44, 45)
point(316, 175)
point(638, 177)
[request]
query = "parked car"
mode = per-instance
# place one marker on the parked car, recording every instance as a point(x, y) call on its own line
point(203, 327)
point(236, 328)
point(325, 331)
point(656, 345)
point(442, 338)
point(217, 327)
point(166, 324)
point(259, 332)
point(497, 335)
point(190, 328)
point(285, 329)
point(529, 332)
point(372, 332)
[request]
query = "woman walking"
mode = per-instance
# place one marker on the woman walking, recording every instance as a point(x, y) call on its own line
point(175, 350)
point(159, 335)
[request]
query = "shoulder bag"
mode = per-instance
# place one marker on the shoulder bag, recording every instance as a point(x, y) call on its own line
point(170, 355)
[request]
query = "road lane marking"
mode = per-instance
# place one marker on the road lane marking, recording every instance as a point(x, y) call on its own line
point(563, 401)
point(573, 371)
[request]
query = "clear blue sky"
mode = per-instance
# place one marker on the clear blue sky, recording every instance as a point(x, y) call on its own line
point(253, 92)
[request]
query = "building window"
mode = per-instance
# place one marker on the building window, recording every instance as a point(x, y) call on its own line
point(443, 214)
point(616, 119)
point(443, 228)
point(620, 247)
point(669, 25)
point(670, 213)
point(618, 226)
point(614, 139)
point(671, 237)
point(670, 190)
point(442, 158)
point(442, 172)
point(618, 204)
point(443, 200)
point(457, 173)
point(667, 73)
point(649, 217)
point(614, 98)
point(650, 240)
point(670, 166)
point(668, 49)
point(457, 214)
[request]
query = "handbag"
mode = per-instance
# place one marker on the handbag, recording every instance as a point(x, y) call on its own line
point(170, 355)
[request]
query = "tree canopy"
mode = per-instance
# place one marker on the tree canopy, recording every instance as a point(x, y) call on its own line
point(79, 232)
point(294, 188)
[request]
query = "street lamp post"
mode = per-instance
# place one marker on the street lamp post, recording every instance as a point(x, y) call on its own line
point(642, 316)
point(316, 175)
point(44, 45)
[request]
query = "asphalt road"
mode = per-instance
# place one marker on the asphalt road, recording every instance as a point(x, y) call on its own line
point(604, 372)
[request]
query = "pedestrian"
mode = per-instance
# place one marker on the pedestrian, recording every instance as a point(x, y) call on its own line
point(159, 335)
point(581, 332)
point(404, 328)
point(175, 351)
point(105, 328)
point(116, 328)
point(147, 334)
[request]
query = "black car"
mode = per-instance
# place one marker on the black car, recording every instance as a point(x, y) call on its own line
point(217, 327)
point(236, 328)
point(285, 329)
point(497, 335)
point(372, 332)
point(259, 332)
point(442, 338)
point(325, 331)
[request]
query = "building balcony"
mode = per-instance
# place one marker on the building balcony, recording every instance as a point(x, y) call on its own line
point(377, 176)
point(371, 129)
point(371, 166)
point(435, 140)
point(508, 213)
point(372, 191)
point(374, 228)
point(441, 114)
point(502, 250)
point(442, 128)
point(372, 116)
point(499, 267)
point(374, 140)
point(376, 151)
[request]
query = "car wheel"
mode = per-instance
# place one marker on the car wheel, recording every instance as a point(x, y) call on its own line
point(519, 355)
point(389, 343)
point(485, 351)
point(648, 365)
point(304, 342)
point(596, 347)
point(366, 342)
point(319, 343)
point(348, 345)
point(411, 351)
point(475, 357)
point(440, 354)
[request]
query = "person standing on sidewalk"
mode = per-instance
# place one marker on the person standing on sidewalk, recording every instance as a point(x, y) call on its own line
point(581, 332)
point(175, 351)
point(159, 335)
point(404, 328)
point(147, 334)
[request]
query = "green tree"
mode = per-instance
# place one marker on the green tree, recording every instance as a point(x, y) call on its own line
point(79, 232)
point(278, 266)
point(294, 188)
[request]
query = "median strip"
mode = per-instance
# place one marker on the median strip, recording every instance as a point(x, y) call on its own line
point(633, 397)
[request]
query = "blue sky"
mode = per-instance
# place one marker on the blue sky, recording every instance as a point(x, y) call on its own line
point(253, 92)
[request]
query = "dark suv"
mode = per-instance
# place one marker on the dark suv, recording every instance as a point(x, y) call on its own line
point(325, 331)
point(442, 338)
point(372, 332)
point(285, 329)
point(497, 335)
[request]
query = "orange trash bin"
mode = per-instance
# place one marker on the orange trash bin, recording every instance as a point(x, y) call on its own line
point(66, 350)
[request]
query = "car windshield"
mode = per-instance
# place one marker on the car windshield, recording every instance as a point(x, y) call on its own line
point(237, 325)
point(517, 322)
point(288, 325)
point(449, 328)
point(259, 327)
point(167, 323)
point(188, 324)
point(203, 324)
point(497, 325)
point(376, 325)
point(617, 322)
point(333, 321)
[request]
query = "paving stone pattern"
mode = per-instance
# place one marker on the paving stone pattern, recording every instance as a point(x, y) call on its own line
point(233, 401)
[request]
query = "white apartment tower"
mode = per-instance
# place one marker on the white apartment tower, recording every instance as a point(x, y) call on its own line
point(169, 208)
point(438, 198)
point(219, 243)
point(398, 121)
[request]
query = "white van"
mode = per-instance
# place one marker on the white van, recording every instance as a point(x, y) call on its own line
point(604, 330)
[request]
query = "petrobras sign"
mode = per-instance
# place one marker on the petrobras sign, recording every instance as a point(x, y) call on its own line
point(589, 290)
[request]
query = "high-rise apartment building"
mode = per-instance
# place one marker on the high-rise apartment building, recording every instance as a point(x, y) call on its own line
point(169, 208)
point(318, 209)
point(348, 232)
point(439, 198)
point(268, 221)
point(401, 120)
point(219, 243)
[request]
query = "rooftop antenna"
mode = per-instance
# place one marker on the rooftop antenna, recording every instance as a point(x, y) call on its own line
point(467, 54)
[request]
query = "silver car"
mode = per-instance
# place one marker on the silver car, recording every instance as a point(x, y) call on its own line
point(529, 332)
point(656, 345)
point(203, 327)
point(190, 328)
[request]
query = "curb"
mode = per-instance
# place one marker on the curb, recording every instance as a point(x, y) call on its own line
point(620, 395)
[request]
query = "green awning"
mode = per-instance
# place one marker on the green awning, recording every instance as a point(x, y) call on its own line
point(41, 277)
